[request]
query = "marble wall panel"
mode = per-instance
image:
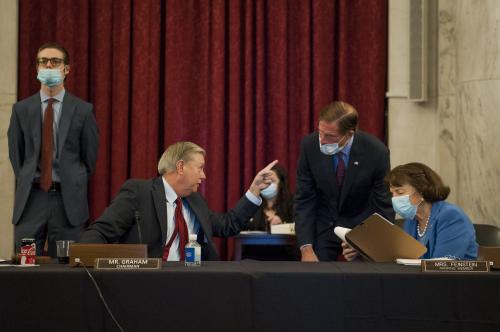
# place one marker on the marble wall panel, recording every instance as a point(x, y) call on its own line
point(446, 147)
point(477, 154)
point(478, 39)
point(446, 47)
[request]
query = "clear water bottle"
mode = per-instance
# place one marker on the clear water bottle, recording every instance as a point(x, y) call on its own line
point(193, 252)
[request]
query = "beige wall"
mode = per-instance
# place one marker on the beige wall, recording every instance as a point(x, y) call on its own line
point(455, 132)
point(8, 95)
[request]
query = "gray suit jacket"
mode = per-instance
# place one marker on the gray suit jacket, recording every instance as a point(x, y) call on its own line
point(320, 205)
point(146, 198)
point(78, 146)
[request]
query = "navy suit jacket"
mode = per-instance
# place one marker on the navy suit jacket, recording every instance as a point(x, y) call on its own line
point(320, 206)
point(118, 222)
point(78, 146)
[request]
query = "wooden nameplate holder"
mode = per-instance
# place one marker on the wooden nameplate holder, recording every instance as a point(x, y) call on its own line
point(86, 253)
point(491, 254)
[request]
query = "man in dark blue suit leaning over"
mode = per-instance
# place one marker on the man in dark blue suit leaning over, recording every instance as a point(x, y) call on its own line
point(340, 181)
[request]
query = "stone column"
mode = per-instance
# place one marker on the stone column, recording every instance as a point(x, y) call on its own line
point(8, 96)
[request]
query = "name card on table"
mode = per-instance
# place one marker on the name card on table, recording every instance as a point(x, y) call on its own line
point(455, 266)
point(127, 263)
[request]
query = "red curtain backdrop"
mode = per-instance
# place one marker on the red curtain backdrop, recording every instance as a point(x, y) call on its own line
point(244, 79)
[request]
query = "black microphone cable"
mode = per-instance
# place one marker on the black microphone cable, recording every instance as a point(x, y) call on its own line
point(108, 309)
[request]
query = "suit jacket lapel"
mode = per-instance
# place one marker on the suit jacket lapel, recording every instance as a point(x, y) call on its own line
point(68, 108)
point(199, 213)
point(35, 115)
point(351, 171)
point(160, 202)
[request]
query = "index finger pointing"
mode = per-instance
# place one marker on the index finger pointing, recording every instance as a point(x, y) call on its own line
point(271, 165)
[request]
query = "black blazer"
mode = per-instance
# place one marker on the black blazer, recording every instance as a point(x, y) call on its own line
point(319, 205)
point(118, 222)
point(78, 146)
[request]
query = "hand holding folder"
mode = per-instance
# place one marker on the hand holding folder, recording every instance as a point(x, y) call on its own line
point(379, 240)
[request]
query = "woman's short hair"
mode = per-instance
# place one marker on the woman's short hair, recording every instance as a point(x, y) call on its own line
point(175, 152)
point(421, 177)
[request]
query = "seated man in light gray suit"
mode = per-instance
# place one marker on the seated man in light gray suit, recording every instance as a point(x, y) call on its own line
point(53, 143)
point(163, 211)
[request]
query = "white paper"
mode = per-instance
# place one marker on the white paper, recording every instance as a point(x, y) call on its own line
point(341, 232)
point(406, 261)
point(252, 232)
point(288, 228)
point(27, 265)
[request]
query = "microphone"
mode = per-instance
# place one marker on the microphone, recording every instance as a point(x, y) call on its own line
point(137, 218)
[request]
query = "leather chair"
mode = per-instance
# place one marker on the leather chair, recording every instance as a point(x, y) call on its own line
point(487, 235)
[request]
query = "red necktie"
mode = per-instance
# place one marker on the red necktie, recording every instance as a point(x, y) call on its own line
point(340, 172)
point(181, 229)
point(47, 147)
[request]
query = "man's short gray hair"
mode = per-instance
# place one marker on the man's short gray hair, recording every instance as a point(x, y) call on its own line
point(175, 152)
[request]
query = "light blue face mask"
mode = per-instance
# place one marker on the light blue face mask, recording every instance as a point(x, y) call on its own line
point(50, 77)
point(402, 205)
point(331, 148)
point(270, 192)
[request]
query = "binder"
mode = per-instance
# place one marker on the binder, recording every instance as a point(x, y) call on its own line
point(379, 240)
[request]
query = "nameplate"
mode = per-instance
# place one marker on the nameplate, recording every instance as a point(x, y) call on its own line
point(455, 266)
point(127, 263)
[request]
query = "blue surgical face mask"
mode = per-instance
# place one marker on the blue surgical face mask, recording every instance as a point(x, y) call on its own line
point(331, 148)
point(270, 192)
point(50, 77)
point(402, 205)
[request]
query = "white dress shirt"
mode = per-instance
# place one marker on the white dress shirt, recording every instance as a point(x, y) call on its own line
point(192, 223)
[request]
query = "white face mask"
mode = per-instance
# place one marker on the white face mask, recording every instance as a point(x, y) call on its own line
point(270, 192)
point(331, 148)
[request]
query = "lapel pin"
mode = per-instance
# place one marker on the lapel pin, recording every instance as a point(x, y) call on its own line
point(356, 163)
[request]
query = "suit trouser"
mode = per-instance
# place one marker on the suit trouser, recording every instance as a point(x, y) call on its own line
point(43, 218)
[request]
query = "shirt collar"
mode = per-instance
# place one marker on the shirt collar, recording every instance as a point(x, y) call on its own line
point(59, 97)
point(169, 191)
point(347, 147)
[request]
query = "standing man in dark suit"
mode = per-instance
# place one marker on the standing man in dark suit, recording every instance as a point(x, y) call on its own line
point(163, 211)
point(340, 182)
point(53, 143)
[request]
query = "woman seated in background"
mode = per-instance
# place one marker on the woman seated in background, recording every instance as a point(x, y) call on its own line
point(418, 195)
point(276, 208)
point(277, 205)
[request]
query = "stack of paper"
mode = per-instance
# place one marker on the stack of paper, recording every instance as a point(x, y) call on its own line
point(283, 229)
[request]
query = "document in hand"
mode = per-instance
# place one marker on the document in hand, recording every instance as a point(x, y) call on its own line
point(379, 240)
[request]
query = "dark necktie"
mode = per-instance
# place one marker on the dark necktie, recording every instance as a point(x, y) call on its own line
point(181, 229)
point(340, 172)
point(47, 147)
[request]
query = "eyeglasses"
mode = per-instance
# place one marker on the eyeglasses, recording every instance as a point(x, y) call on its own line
point(56, 62)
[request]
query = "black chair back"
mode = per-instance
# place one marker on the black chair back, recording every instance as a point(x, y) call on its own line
point(487, 235)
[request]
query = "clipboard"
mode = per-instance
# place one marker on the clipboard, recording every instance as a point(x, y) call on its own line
point(379, 240)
